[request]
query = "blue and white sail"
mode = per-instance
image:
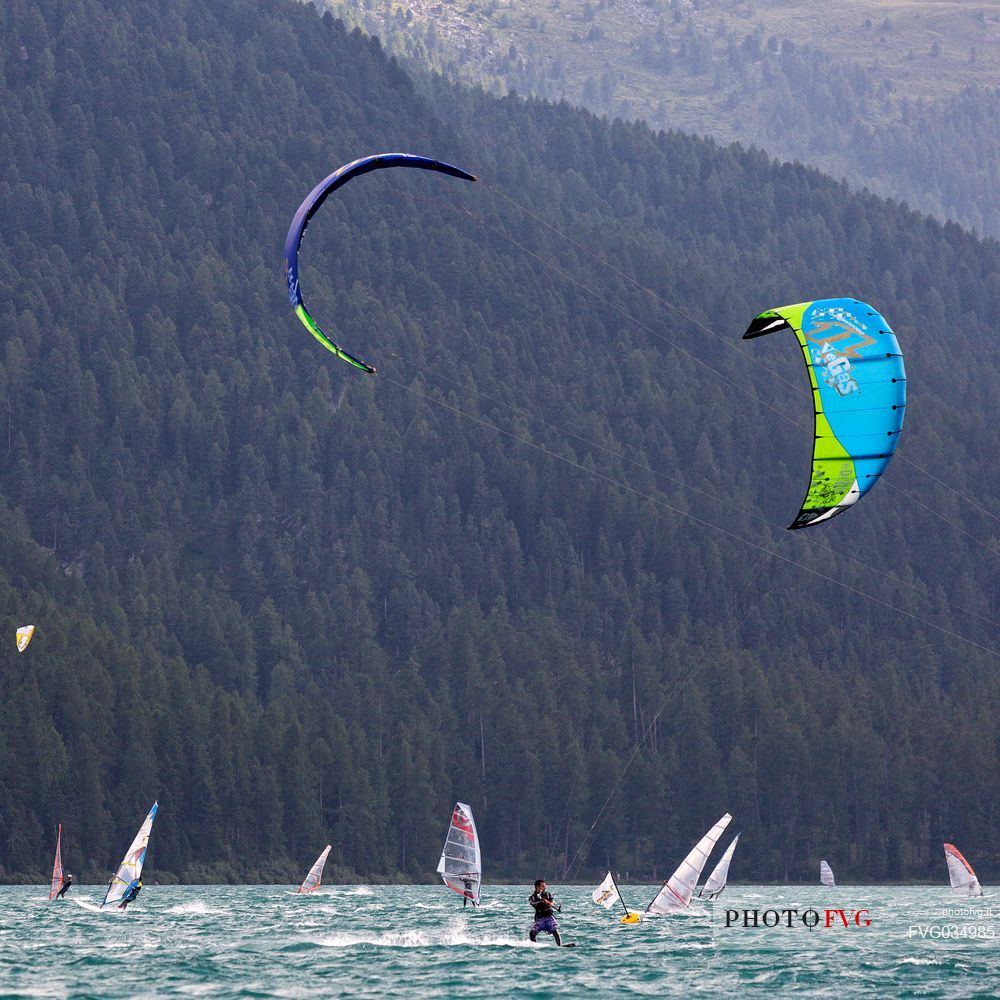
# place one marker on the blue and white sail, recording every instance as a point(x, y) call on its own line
point(130, 870)
point(826, 875)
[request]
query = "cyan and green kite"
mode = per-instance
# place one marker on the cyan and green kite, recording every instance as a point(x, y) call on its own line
point(859, 394)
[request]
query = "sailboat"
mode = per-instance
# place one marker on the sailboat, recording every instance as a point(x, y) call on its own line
point(57, 868)
point(314, 879)
point(716, 882)
point(963, 878)
point(826, 875)
point(130, 870)
point(461, 864)
point(679, 888)
point(607, 893)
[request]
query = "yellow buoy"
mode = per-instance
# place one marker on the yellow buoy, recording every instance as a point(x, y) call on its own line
point(631, 918)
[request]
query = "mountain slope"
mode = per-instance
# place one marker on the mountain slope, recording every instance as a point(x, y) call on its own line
point(304, 606)
point(899, 97)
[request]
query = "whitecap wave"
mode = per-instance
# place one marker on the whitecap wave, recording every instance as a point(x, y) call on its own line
point(196, 908)
point(86, 904)
point(445, 938)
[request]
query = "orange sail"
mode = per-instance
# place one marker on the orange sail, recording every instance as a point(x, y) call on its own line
point(963, 878)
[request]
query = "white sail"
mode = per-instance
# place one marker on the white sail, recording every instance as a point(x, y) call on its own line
point(461, 865)
point(679, 888)
point(607, 894)
point(826, 874)
point(963, 878)
point(315, 877)
point(716, 882)
point(130, 869)
point(57, 868)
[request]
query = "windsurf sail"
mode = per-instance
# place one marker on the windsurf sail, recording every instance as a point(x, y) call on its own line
point(461, 865)
point(130, 870)
point(57, 868)
point(679, 888)
point(826, 874)
point(315, 877)
point(963, 878)
point(23, 637)
point(716, 882)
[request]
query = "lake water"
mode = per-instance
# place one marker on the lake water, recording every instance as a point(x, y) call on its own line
point(416, 941)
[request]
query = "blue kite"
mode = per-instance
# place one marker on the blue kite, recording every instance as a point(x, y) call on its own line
point(311, 205)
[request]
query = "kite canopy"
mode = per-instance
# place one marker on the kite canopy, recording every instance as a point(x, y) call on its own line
point(311, 205)
point(859, 395)
point(23, 637)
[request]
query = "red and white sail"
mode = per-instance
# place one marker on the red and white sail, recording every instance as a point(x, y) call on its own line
point(57, 868)
point(963, 878)
point(315, 877)
point(679, 888)
point(461, 864)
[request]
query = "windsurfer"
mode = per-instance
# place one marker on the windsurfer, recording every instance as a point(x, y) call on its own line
point(468, 894)
point(133, 890)
point(67, 881)
point(545, 910)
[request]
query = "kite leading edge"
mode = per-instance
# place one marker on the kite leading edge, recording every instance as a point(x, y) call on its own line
point(311, 205)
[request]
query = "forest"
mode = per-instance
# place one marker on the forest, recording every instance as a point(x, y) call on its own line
point(538, 563)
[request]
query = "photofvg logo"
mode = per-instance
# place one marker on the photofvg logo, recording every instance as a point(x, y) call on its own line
point(960, 923)
point(810, 919)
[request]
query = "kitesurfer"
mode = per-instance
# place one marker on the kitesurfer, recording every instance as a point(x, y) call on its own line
point(67, 881)
point(545, 909)
point(133, 890)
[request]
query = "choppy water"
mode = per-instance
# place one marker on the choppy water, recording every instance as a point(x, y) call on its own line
point(416, 941)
